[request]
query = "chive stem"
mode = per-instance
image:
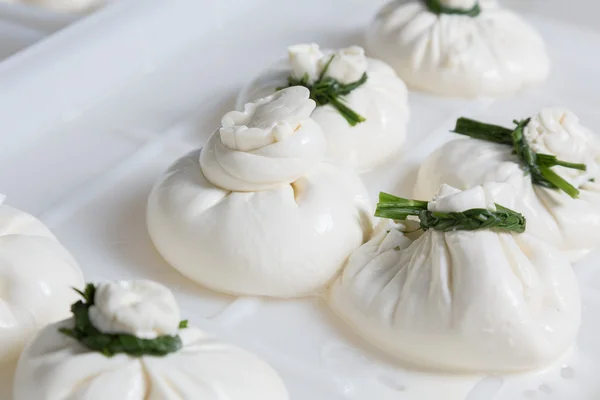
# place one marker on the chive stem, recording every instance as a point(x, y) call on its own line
point(538, 165)
point(398, 208)
point(327, 90)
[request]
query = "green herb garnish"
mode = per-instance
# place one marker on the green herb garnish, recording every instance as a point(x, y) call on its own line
point(436, 7)
point(110, 344)
point(398, 208)
point(327, 90)
point(538, 165)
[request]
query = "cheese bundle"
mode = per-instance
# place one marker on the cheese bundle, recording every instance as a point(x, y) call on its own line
point(125, 341)
point(469, 293)
point(551, 160)
point(464, 48)
point(257, 211)
point(362, 105)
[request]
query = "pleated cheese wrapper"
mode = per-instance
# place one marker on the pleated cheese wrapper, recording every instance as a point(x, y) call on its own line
point(36, 276)
point(465, 48)
point(570, 222)
point(484, 300)
point(257, 211)
point(126, 342)
point(362, 105)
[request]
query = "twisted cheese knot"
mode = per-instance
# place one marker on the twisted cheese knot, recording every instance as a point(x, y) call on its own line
point(140, 308)
point(557, 131)
point(347, 66)
point(272, 142)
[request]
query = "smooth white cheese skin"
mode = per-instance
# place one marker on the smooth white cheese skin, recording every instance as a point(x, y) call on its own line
point(289, 236)
point(140, 308)
point(272, 142)
point(494, 54)
point(56, 367)
point(572, 225)
point(36, 278)
point(382, 100)
point(479, 301)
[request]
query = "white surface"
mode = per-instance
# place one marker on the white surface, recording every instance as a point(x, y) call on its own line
point(84, 141)
point(22, 26)
point(14, 37)
point(36, 17)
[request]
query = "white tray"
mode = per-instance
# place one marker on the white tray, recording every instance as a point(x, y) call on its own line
point(22, 25)
point(83, 141)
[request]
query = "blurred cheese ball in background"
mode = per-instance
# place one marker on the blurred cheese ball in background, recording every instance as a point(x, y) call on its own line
point(464, 48)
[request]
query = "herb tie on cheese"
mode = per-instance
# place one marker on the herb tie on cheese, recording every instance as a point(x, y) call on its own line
point(538, 165)
point(469, 8)
point(398, 208)
point(328, 90)
point(110, 344)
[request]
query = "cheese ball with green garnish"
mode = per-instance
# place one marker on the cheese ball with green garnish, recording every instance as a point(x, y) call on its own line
point(257, 211)
point(126, 341)
point(362, 106)
point(457, 284)
point(559, 193)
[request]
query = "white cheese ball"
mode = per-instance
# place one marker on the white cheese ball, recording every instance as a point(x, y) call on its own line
point(256, 211)
point(461, 301)
point(493, 54)
point(572, 225)
point(61, 368)
point(37, 275)
point(381, 100)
